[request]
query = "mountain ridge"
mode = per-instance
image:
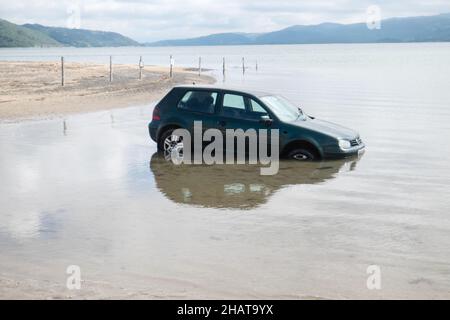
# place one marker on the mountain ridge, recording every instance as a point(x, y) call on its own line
point(434, 28)
point(36, 35)
point(12, 35)
point(83, 37)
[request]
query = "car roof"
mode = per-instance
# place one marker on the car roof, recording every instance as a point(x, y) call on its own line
point(255, 93)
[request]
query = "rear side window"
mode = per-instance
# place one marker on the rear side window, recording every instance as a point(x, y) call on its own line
point(233, 101)
point(199, 101)
point(233, 106)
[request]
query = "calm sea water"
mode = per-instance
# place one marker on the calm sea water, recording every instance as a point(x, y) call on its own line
point(96, 195)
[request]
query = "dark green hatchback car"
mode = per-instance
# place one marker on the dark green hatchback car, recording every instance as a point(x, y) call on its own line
point(301, 137)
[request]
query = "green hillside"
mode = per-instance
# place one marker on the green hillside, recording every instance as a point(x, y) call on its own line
point(12, 35)
point(82, 37)
point(35, 35)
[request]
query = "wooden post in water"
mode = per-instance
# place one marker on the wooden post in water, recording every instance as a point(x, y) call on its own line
point(223, 68)
point(62, 71)
point(110, 69)
point(199, 66)
point(171, 66)
point(243, 65)
point(141, 66)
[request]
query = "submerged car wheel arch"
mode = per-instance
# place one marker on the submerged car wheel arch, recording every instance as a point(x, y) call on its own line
point(166, 127)
point(303, 143)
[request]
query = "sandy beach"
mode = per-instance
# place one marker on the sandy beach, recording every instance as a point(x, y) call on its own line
point(33, 89)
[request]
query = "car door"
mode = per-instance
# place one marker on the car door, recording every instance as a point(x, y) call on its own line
point(199, 105)
point(239, 111)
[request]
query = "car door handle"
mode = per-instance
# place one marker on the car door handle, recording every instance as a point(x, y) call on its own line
point(222, 123)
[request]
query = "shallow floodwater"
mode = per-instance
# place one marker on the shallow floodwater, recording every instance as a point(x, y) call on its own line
point(90, 190)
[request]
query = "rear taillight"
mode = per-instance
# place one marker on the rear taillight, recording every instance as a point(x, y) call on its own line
point(156, 115)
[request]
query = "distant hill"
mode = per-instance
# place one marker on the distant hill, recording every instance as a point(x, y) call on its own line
point(83, 38)
point(35, 35)
point(12, 35)
point(414, 29)
point(213, 39)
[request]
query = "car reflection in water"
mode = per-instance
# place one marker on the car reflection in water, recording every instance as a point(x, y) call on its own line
point(237, 186)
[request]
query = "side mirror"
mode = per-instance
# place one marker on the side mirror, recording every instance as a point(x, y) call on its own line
point(265, 119)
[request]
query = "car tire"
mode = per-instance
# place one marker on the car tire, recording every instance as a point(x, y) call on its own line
point(301, 154)
point(163, 137)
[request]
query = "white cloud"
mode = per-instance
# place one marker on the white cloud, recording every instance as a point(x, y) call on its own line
point(168, 19)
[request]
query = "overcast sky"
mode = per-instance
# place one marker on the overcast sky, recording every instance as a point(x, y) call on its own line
point(157, 19)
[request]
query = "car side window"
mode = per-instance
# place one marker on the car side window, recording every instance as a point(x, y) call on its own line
point(199, 101)
point(233, 101)
point(256, 107)
point(233, 105)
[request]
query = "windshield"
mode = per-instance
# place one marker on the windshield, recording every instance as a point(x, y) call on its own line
point(282, 108)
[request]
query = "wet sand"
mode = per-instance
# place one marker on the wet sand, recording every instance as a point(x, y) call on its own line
point(33, 89)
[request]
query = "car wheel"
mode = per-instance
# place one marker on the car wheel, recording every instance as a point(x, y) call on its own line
point(301, 155)
point(168, 141)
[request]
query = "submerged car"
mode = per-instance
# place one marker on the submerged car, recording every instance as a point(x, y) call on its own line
point(301, 137)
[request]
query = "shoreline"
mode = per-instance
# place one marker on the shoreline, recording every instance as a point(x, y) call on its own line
point(32, 90)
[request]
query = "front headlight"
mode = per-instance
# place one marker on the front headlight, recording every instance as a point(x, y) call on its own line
point(344, 144)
